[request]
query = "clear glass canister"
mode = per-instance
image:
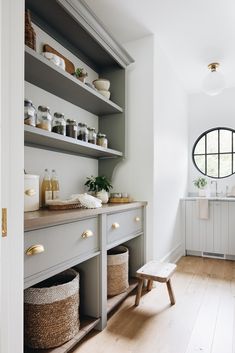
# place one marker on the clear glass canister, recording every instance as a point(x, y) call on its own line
point(71, 128)
point(82, 132)
point(92, 135)
point(59, 124)
point(44, 118)
point(102, 140)
point(30, 114)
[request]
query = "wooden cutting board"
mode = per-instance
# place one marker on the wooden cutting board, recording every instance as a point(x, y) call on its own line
point(69, 66)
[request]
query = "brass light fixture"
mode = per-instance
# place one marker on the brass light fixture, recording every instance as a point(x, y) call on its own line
point(214, 82)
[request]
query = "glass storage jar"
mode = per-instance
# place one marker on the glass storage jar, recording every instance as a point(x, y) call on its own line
point(71, 128)
point(30, 114)
point(102, 140)
point(92, 135)
point(44, 118)
point(59, 124)
point(82, 132)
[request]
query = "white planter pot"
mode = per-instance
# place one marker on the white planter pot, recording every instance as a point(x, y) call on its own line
point(103, 196)
point(201, 192)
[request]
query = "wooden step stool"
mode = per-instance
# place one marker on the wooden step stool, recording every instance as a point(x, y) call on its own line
point(155, 271)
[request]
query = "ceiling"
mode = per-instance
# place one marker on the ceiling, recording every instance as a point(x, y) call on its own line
point(192, 32)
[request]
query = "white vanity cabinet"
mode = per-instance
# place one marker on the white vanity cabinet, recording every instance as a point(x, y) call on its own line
point(212, 236)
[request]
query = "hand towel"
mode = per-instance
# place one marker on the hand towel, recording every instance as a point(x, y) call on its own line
point(203, 208)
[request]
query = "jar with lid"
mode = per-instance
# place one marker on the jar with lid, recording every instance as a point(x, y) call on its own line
point(71, 128)
point(59, 124)
point(82, 132)
point(30, 114)
point(44, 118)
point(102, 140)
point(92, 135)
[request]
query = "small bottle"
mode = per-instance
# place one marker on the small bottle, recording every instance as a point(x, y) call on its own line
point(55, 185)
point(46, 188)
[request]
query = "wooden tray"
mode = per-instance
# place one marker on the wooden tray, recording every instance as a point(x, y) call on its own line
point(69, 66)
point(119, 200)
point(64, 207)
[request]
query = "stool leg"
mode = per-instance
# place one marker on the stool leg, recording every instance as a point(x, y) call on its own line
point(149, 285)
point(170, 292)
point(139, 291)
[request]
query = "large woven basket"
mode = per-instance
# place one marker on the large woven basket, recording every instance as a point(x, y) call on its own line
point(51, 311)
point(117, 270)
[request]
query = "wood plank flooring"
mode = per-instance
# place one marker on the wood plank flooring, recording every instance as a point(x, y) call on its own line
point(203, 319)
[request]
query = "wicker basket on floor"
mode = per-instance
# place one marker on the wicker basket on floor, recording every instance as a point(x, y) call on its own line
point(51, 311)
point(117, 270)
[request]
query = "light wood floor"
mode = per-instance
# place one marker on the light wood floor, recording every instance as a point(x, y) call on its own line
point(201, 321)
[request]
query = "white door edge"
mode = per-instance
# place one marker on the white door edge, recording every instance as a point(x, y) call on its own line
point(12, 178)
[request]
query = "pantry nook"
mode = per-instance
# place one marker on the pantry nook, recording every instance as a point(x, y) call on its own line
point(55, 241)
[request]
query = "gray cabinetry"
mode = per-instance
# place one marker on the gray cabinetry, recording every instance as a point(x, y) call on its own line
point(82, 241)
point(62, 246)
point(123, 225)
point(78, 30)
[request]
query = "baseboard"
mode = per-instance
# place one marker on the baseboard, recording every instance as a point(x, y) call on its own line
point(174, 254)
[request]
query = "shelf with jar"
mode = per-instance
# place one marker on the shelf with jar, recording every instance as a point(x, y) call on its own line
point(43, 73)
point(40, 138)
point(64, 135)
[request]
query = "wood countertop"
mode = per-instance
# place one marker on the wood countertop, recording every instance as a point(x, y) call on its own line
point(45, 218)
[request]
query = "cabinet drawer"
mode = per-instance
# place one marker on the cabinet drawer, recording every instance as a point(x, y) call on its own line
point(123, 224)
point(60, 243)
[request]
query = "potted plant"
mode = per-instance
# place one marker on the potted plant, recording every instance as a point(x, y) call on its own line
point(81, 74)
point(200, 183)
point(100, 185)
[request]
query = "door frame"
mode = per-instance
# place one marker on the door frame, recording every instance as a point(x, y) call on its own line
point(12, 174)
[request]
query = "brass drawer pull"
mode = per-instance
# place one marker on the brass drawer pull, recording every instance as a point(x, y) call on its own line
point(35, 249)
point(87, 234)
point(115, 225)
point(30, 192)
point(137, 219)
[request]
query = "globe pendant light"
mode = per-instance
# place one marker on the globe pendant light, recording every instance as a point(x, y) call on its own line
point(214, 82)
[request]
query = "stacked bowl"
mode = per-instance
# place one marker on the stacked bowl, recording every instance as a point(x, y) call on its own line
point(102, 85)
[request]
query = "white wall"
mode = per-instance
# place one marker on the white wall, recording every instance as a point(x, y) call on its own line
point(157, 129)
point(135, 174)
point(206, 112)
point(170, 157)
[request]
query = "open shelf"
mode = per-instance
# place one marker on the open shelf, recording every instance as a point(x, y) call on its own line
point(87, 324)
point(42, 73)
point(75, 27)
point(117, 299)
point(40, 138)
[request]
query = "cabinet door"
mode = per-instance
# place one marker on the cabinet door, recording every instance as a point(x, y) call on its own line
point(231, 228)
point(206, 230)
point(198, 232)
point(220, 212)
point(192, 227)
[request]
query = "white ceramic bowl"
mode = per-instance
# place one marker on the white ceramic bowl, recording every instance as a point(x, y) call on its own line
point(101, 84)
point(106, 94)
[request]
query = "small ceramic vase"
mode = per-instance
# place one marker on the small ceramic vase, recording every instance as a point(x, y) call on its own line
point(103, 196)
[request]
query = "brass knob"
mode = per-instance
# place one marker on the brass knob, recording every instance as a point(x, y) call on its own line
point(87, 234)
point(30, 192)
point(137, 219)
point(35, 249)
point(115, 225)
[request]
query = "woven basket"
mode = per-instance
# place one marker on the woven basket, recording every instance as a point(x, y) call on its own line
point(117, 270)
point(51, 311)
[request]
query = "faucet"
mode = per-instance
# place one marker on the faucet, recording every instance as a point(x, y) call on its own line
point(216, 187)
